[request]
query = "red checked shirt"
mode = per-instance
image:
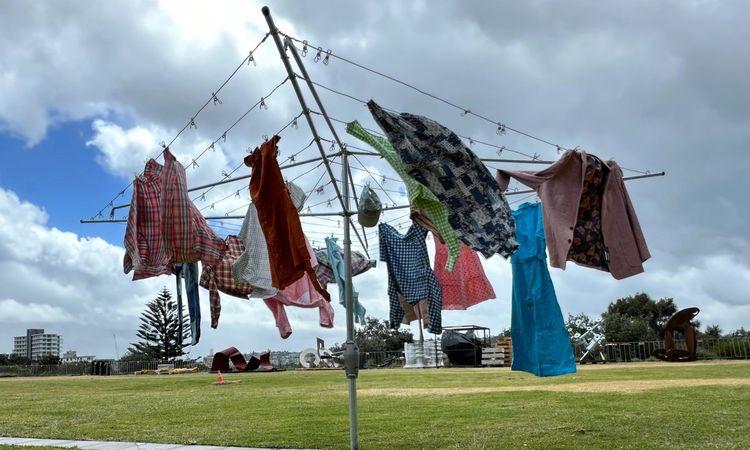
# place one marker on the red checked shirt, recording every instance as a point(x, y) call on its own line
point(145, 250)
point(219, 277)
point(164, 226)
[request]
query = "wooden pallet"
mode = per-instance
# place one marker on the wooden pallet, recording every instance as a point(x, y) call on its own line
point(506, 344)
point(493, 356)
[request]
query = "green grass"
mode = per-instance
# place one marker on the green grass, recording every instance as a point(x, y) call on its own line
point(599, 407)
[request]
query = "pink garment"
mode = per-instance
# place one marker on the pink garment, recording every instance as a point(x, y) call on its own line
point(560, 187)
point(301, 293)
point(467, 285)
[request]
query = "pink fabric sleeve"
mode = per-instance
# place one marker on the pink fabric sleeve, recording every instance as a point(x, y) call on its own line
point(279, 314)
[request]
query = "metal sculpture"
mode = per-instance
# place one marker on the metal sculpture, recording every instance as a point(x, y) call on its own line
point(592, 340)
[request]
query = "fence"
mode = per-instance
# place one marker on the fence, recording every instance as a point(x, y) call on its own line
point(724, 348)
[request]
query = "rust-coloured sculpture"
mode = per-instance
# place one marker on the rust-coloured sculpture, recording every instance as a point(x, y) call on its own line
point(681, 319)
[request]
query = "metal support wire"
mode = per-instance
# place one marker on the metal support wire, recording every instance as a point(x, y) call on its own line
point(344, 151)
point(351, 356)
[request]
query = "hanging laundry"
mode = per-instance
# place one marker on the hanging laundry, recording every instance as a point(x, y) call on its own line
point(335, 257)
point(467, 285)
point(166, 232)
point(409, 274)
point(436, 157)
point(588, 215)
point(145, 249)
point(279, 219)
point(301, 293)
point(419, 196)
point(220, 278)
point(541, 344)
point(188, 272)
point(324, 270)
point(253, 266)
point(418, 216)
point(188, 236)
point(414, 312)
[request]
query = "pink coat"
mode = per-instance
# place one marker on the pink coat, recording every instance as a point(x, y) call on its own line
point(559, 187)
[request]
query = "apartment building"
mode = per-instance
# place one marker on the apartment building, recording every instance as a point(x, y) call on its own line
point(37, 344)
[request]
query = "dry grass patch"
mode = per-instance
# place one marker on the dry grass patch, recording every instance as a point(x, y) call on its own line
point(619, 386)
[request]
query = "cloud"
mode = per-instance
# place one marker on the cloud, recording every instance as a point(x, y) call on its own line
point(14, 311)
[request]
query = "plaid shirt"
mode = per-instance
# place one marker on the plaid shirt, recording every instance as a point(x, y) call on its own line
point(145, 250)
point(164, 226)
point(418, 194)
point(409, 274)
point(188, 236)
point(219, 277)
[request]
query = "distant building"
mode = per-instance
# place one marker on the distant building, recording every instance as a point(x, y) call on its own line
point(37, 344)
point(70, 357)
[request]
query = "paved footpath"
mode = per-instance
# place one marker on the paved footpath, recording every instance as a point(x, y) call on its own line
point(111, 445)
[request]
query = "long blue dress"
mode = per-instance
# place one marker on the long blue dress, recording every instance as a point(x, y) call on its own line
point(541, 344)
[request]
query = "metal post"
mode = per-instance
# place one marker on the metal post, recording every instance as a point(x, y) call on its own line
point(351, 355)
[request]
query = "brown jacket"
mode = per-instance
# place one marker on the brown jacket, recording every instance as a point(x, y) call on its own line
point(559, 187)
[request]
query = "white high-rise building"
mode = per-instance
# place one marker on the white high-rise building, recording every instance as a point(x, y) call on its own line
point(37, 344)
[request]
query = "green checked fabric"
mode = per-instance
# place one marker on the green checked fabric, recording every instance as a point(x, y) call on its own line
point(418, 194)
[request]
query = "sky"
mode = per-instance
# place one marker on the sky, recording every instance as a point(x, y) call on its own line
point(89, 91)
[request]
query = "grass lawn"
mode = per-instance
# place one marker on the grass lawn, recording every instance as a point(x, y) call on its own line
point(648, 405)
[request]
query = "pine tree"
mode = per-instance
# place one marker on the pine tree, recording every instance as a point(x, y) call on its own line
point(159, 330)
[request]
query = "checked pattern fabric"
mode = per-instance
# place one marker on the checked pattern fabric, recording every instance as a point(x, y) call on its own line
point(418, 194)
point(436, 157)
point(409, 274)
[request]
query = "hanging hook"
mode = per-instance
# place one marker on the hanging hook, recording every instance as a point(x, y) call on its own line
point(326, 59)
point(224, 136)
point(500, 150)
point(262, 104)
point(471, 142)
point(501, 130)
point(304, 48)
point(237, 194)
point(251, 58)
point(213, 149)
point(295, 125)
point(216, 99)
point(466, 112)
point(192, 123)
point(203, 197)
point(195, 164)
point(317, 56)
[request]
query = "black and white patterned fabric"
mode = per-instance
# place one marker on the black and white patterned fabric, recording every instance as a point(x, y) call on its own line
point(436, 157)
point(409, 274)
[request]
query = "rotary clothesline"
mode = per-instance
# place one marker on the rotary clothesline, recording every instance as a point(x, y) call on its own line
point(339, 154)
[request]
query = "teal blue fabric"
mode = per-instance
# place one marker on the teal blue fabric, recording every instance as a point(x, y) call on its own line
point(541, 344)
point(336, 258)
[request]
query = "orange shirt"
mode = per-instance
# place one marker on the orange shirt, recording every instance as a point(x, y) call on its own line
point(279, 219)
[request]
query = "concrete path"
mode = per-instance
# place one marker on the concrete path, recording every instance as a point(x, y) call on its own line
point(111, 445)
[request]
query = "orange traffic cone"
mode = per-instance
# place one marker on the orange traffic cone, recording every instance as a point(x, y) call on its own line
point(220, 378)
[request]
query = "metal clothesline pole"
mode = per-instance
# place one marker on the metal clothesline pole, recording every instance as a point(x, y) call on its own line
point(351, 355)
point(385, 208)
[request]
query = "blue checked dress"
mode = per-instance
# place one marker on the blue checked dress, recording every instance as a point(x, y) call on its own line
point(436, 157)
point(409, 274)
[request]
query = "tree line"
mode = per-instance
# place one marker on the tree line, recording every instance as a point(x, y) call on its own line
point(639, 318)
